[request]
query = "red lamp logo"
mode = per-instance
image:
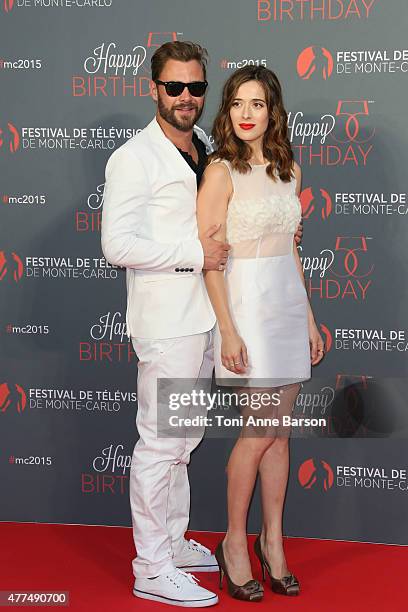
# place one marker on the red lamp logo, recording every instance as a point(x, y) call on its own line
point(314, 60)
point(313, 204)
point(316, 474)
point(12, 396)
point(10, 266)
point(12, 136)
point(8, 5)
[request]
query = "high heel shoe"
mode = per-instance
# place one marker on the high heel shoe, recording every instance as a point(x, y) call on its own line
point(250, 591)
point(287, 585)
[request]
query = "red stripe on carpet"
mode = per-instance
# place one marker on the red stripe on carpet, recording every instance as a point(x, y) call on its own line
point(94, 565)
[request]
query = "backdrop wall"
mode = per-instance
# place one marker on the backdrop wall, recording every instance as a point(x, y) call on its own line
point(74, 86)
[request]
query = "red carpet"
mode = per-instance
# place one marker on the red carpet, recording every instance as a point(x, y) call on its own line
point(94, 565)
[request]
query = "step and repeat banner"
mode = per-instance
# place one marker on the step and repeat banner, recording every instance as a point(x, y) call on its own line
point(74, 83)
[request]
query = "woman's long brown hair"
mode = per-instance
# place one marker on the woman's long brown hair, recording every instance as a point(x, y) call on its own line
point(277, 149)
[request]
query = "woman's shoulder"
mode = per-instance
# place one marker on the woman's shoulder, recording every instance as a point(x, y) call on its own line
point(219, 162)
point(218, 167)
point(297, 174)
point(297, 170)
point(217, 176)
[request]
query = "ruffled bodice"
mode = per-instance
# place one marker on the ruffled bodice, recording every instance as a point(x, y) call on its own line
point(252, 218)
point(263, 215)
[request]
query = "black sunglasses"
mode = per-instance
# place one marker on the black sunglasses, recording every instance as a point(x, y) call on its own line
point(175, 88)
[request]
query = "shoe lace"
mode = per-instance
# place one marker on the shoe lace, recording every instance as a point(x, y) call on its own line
point(179, 575)
point(197, 546)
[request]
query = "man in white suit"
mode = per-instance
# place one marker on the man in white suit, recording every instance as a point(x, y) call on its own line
point(149, 227)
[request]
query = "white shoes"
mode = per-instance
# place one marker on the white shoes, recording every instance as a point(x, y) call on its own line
point(195, 558)
point(176, 588)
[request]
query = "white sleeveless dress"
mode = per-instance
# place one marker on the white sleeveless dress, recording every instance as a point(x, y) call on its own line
point(267, 299)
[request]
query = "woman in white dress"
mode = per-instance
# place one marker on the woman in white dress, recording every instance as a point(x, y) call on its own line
point(266, 337)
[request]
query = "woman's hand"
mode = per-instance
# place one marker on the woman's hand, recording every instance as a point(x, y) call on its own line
point(316, 343)
point(234, 356)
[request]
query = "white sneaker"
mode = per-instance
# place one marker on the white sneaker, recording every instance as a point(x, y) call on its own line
point(195, 558)
point(176, 588)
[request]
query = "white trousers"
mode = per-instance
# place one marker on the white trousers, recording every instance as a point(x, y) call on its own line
point(159, 486)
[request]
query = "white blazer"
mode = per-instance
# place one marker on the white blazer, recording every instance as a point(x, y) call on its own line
point(149, 227)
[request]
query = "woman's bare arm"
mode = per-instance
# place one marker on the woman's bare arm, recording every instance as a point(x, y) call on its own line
point(298, 173)
point(315, 339)
point(212, 204)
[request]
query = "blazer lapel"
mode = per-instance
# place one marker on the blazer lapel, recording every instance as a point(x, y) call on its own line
point(204, 138)
point(157, 134)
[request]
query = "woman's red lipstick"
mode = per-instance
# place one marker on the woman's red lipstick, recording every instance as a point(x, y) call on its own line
point(246, 126)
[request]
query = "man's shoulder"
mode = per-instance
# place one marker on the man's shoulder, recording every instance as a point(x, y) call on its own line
point(136, 146)
point(137, 142)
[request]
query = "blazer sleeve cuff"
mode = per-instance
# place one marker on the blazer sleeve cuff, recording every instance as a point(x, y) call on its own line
point(194, 255)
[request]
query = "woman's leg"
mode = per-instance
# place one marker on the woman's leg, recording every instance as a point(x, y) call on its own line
point(242, 468)
point(273, 471)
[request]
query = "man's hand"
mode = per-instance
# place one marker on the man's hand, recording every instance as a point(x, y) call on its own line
point(298, 233)
point(215, 252)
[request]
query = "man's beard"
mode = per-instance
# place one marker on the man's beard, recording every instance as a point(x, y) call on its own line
point(184, 124)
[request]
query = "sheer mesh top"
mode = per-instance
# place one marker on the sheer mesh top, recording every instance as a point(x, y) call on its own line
point(263, 215)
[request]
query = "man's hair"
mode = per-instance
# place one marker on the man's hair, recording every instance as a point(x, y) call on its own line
point(182, 51)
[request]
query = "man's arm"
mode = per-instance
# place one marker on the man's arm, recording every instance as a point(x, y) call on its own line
point(127, 193)
point(298, 175)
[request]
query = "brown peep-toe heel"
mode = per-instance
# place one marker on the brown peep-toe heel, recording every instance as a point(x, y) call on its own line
point(287, 585)
point(250, 591)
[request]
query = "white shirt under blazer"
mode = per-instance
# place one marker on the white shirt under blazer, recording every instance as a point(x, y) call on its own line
point(149, 227)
